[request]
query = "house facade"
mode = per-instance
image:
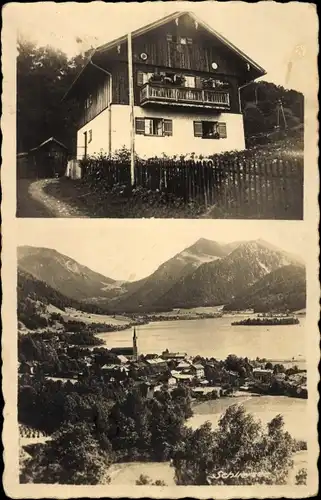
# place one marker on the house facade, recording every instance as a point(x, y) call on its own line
point(197, 370)
point(262, 375)
point(185, 80)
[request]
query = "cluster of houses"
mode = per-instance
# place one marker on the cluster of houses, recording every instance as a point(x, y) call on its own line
point(169, 369)
point(263, 378)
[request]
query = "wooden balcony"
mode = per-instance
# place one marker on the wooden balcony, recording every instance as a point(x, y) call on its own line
point(183, 96)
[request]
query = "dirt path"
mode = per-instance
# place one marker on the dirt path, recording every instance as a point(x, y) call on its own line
point(33, 201)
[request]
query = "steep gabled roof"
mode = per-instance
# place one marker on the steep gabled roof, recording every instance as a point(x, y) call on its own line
point(172, 17)
point(51, 139)
point(160, 22)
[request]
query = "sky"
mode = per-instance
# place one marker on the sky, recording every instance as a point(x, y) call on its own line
point(128, 249)
point(282, 38)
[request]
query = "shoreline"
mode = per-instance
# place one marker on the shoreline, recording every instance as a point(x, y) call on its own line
point(154, 318)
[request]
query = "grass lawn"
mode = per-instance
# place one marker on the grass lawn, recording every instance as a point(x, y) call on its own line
point(97, 204)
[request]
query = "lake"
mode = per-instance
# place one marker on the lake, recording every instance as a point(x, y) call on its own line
point(215, 337)
point(264, 408)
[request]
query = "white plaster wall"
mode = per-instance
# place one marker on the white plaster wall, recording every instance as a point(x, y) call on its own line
point(182, 141)
point(99, 126)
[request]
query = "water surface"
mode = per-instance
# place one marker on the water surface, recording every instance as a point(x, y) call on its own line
point(215, 337)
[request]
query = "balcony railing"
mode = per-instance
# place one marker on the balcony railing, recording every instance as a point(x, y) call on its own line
point(151, 93)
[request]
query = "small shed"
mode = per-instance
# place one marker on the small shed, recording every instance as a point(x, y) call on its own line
point(49, 159)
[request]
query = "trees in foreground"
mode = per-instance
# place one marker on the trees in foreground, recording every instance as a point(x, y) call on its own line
point(73, 456)
point(239, 452)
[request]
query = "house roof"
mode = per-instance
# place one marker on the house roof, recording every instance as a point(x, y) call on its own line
point(156, 361)
point(171, 17)
point(114, 367)
point(183, 364)
point(156, 24)
point(198, 366)
point(51, 139)
point(122, 358)
point(122, 350)
point(174, 354)
point(182, 376)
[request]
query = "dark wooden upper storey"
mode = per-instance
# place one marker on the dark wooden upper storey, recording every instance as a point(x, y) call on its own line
point(178, 45)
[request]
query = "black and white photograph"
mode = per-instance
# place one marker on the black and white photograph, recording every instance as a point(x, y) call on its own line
point(160, 250)
point(154, 361)
point(171, 109)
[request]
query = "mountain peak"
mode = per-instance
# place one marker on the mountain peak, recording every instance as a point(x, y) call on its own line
point(209, 247)
point(62, 273)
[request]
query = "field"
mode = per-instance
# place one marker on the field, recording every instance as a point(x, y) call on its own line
point(74, 314)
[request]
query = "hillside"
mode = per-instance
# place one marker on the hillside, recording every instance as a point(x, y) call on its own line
point(207, 273)
point(280, 290)
point(144, 295)
point(33, 296)
point(217, 282)
point(29, 287)
point(64, 274)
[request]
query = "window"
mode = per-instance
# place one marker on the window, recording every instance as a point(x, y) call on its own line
point(143, 78)
point(182, 40)
point(88, 102)
point(154, 126)
point(190, 81)
point(210, 130)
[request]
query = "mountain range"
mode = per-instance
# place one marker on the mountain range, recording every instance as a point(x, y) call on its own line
point(237, 275)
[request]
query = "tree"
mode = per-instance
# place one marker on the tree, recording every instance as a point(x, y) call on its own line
point(278, 368)
point(260, 104)
point(240, 451)
point(301, 477)
point(43, 77)
point(144, 480)
point(72, 457)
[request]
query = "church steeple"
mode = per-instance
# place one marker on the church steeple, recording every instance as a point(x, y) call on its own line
point(135, 349)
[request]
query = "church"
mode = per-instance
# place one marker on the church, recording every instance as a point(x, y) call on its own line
point(129, 352)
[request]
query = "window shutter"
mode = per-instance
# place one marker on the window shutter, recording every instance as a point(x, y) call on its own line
point(198, 82)
point(169, 37)
point(168, 127)
point(222, 130)
point(140, 78)
point(148, 126)
point(198, 129)
point(140, 126)
point(189, 41)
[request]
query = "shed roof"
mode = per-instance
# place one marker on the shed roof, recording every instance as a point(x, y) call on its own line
point(51, 139)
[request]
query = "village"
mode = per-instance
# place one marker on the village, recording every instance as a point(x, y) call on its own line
point(206, 378)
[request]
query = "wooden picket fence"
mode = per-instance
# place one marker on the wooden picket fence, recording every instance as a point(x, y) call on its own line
point(239, 188)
